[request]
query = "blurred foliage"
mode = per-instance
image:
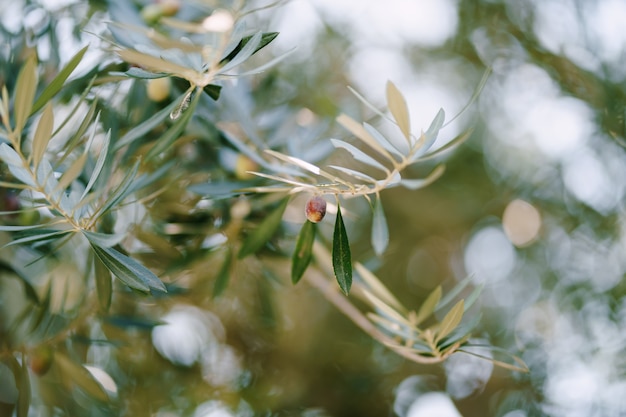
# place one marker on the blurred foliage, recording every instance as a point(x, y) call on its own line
point(175, 154)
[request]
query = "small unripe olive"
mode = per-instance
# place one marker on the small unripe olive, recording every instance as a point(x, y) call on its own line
point(159, 89)
point(315, 209)
point(243, 166)
point(41, 360)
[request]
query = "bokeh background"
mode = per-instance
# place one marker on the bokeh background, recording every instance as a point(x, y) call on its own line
point(532, 205)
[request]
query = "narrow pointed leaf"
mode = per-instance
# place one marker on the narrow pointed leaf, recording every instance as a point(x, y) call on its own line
point(303, 253)
point(377, 288)
point(39, 235)
point(213, 91)
point(264, 232)
point(102, 239)
point(121, 191)
point(264, 67)
point(370, 105)
point(358, 154)
point(342, 259)
point(454, 293)
point(428, 306)
point(42, 134)
point(424, 182)
point(136, 72)
point(386, 310)
point(353, 173)
point(382, 140)
point(22, 174)
point(104, 284)
point(157, 64)
point(72, 172)
point(363, 134)
point(74, 373)
point(520, 367)
point(462, 333)
point(380, 231)
point(471, 299)
point(459, 139)
point(97, 169)
point(57, 83)
point(23, 400)
point(10, 156)
point(246, 52)
point(430, 136)
point(24, 93)
point(146, 126)
point(18, 228)
point(281, 179)
point(266, 38)
point(128, 270)
point(174, 132)
point(223, 275)
point(398, 108)
point(451, 320)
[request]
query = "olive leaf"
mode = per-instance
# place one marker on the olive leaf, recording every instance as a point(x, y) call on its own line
point(57, 83)
point(398, 108)
point(263, 232)
point(342, 259)
point(104, 284)
point(223, 275)
point(304, 251)
point(23, 401)
point(43, 133)
point(76, 374)
point(380, 231)
point(25, 88)
point(128, 270)
point(451, 320)
point(428, 306)
point(264, 40)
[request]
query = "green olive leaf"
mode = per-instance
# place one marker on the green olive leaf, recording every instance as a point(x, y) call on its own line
point(104, 284)
point(451, 320)
point(342, 259)
point(264, 232)
point(57, 83)
point(23, 401)
point(128, 270)
point(42, 134)
point(223, 276)
point(428, 306)
point(303, 253)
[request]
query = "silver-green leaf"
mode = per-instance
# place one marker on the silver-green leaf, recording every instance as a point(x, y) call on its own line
point(380, 231)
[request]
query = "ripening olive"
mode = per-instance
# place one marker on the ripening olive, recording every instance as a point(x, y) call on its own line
point(41, 360)
point(315, 209)
point(169, 7)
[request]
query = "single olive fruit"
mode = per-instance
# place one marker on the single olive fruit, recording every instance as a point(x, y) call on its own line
point(242, 167)
point(315, 209)
point(41, 360)
point(169, 7)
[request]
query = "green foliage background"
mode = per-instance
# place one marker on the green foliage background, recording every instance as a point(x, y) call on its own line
point(164, 212)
